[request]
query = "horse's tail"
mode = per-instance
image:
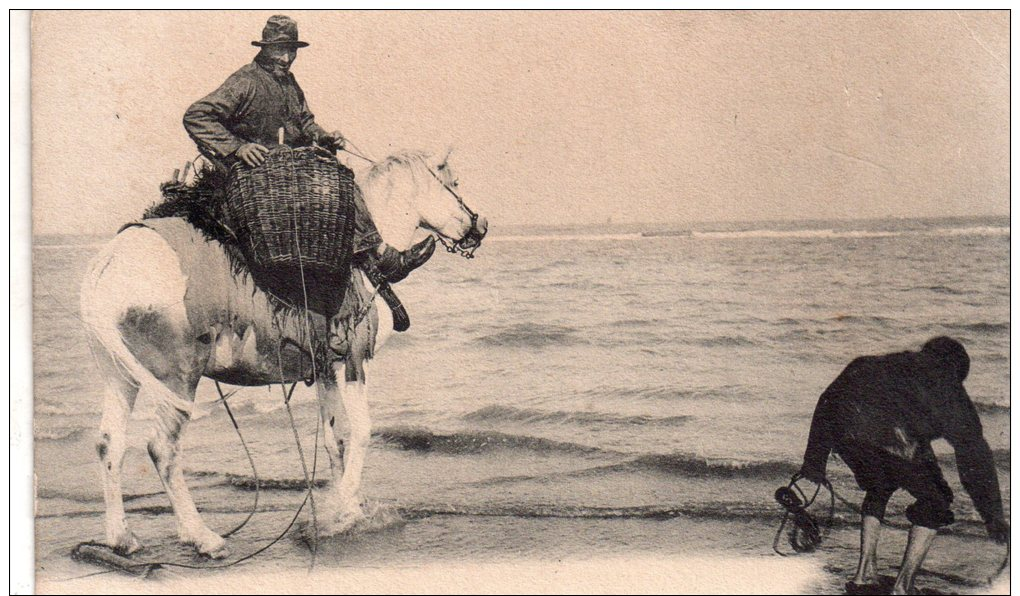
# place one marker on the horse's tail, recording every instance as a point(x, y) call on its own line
point(100, 313)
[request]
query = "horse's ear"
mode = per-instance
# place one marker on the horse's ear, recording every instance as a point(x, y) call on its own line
point(446, 158)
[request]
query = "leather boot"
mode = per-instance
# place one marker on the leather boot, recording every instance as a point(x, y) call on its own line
point(401, 320)
point(391, 267)
point(395, 265)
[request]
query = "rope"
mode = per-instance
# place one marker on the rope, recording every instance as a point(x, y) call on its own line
point(346, 150)
point(152, 565)
point(805, 535)
point(304, 467)
point(247, 452)
point(315, 378)
point(160, 564)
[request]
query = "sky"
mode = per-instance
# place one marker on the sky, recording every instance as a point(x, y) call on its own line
point(559, 117)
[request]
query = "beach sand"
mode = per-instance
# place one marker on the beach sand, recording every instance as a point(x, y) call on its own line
point(493, 554)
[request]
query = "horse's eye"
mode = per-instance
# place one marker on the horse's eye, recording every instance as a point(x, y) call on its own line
point(456, 183)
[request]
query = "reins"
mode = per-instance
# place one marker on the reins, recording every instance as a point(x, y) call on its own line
point(451, 247)
point(247, 452)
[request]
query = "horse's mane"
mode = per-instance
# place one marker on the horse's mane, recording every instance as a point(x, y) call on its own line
point(414, 161)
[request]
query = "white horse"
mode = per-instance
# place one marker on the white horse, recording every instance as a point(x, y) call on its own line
point(161, 322)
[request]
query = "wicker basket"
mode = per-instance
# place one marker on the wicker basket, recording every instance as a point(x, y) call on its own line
point(294, 217)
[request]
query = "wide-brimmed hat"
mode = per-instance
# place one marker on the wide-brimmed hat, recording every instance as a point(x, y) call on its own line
point(280, 31)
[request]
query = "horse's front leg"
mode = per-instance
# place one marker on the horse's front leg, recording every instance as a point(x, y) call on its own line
point(347, 397)
point(331, 415)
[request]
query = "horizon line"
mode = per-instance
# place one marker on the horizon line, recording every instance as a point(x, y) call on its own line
point(670, 223)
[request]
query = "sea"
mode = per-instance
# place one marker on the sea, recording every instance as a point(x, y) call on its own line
point(571, 392)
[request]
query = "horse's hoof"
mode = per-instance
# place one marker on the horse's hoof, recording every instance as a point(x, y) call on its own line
point(126, 544)
point(346, 521)
point(340, 514)
point(211, 545)
point(219, 553)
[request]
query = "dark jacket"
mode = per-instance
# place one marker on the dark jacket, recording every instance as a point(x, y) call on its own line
point(249, 108)
point(901, 402)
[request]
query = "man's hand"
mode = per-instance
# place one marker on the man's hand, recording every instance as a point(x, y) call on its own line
point(252, 154)
point(998, 530)
point(333, 140)
point(809, 473)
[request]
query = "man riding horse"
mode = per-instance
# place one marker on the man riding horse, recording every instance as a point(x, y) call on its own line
point(241, 121)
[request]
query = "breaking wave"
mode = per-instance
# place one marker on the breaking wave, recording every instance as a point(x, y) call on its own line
point(717, 510)
point(498, 413)
point(944, 290)
point(831, 233)
point(721, 341)
point(980, 328)
point(676, 464)
point(418, 439)
point(666, 393)
point(59, 434)
point(822, 233)
point(692, 466)
point(531, 335)
point(864, 319)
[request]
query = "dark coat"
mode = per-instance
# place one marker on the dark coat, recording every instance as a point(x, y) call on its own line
point(249, 108)
point(900, 403)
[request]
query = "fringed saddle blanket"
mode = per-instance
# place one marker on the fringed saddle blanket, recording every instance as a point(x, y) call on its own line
point(288, 223)
point(256, 339)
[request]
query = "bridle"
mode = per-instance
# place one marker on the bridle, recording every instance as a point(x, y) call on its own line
point(474, 235)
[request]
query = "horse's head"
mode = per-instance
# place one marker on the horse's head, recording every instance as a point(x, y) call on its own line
point(445, 212)
point(421, 191)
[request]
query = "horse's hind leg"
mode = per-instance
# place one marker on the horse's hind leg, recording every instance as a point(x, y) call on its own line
point(164, 449)
point(118, 402)
point(173, 362)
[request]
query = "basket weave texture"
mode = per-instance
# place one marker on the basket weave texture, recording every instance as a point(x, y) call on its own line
point(297, 205)
point(294, 214)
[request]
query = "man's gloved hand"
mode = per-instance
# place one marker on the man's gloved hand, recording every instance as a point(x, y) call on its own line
point(333, 140)
point(998, 530)
point(252, 154)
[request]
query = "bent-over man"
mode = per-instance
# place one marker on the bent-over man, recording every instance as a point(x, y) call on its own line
point(881, 415)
